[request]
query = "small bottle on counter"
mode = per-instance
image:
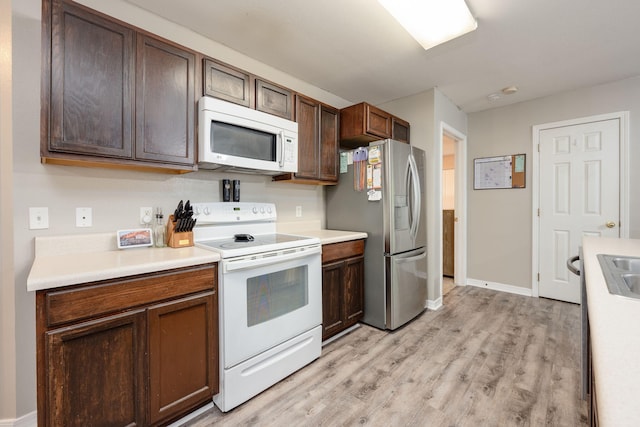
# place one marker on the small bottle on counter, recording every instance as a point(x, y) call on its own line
point(158, 231)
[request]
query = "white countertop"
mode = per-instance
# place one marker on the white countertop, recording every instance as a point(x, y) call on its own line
point(334, 236)
point(70, 260)
point(313, 229)
point(615, 336)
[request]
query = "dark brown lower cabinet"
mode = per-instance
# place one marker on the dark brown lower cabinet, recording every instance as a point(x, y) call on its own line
point(135, 351)
point(181, 371)
point(96, 372)
point(342, 286)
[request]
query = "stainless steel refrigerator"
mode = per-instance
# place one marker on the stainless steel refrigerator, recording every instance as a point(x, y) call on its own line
point(391, 209)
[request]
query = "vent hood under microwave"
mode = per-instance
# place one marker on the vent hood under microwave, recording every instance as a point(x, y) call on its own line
point(236, 138)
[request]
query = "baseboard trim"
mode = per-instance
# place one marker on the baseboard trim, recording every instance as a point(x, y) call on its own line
point(500, 287)
point(434, 304)
point(341, 334)
point(192, 415)
point(28, 420)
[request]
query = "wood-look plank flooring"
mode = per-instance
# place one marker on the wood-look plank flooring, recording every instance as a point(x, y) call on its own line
point(486, 358)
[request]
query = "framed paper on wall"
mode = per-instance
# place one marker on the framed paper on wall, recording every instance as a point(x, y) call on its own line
point(499, 172)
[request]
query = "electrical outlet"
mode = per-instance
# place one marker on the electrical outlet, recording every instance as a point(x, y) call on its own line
point(146, 216)
point(84, 217)
point(38, 218)
point(298, 211)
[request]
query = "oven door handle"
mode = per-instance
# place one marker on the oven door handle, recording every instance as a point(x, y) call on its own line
point(270, 258)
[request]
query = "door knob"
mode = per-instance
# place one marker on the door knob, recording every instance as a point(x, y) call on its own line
point(611, 224)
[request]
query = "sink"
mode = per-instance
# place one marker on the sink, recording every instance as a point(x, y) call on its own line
point(622, 274)
point(632, 281)
point(627, 264)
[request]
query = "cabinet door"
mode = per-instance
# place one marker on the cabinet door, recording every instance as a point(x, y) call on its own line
point(165, 102)
point(353, 290)
point(91, 84)
point(96, 372)
point(307, 118)
point(400, 129)
point(183, 355)
point(332, 298)
point(274, 99)
point(227, 83)
point(378, 122)
point(329, 128)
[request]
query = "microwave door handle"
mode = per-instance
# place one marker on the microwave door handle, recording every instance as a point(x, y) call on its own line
point(280, 149)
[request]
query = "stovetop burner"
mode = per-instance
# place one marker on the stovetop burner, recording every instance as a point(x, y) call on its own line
point(239, 229)
point(255, 241)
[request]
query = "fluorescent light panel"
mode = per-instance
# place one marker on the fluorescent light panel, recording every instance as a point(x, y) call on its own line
point(432, 22)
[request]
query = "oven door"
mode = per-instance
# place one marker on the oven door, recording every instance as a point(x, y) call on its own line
point(268, 298)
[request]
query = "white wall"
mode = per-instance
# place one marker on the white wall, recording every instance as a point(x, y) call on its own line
point(7, 287)
point(425, 111)
point(114, 196)
point(500, 221)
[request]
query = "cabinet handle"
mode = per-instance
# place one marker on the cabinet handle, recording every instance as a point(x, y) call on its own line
point(610, 224)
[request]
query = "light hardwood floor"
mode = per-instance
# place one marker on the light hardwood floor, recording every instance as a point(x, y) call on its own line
point(447, 285)
point(486, 358)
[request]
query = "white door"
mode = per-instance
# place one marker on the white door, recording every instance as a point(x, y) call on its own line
point(579, 195)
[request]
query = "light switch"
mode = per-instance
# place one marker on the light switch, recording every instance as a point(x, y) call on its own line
point(83, 217)
point(38, 218)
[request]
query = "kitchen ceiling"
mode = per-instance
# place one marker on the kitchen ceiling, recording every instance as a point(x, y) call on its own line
point(357, 51)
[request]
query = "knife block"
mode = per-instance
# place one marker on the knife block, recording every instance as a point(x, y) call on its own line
point(178, 240)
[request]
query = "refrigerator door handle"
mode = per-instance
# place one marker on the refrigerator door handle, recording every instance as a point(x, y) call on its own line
point(415, 199)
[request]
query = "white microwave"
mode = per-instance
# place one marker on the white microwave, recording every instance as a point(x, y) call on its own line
point(236, 138)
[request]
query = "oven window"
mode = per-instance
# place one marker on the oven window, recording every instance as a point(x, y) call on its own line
point(275, 294)
point(237, 141)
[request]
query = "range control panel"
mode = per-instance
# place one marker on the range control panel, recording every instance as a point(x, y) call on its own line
point(233, 212)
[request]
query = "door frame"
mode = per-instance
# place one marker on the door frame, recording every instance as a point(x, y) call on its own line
point(623, 117)
point(460, 204)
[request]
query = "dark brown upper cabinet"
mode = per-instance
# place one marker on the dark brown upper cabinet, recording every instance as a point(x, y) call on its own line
point(232, 84)
point(165, 102)
point(400, 129)
point(362, 123)
point(274, 99)
point(112, 95)
point(318, 126)
point(89, 96)
point(227, 83)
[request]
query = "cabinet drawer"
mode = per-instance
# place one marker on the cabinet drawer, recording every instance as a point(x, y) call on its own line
point(110, 296)
point(342, 250)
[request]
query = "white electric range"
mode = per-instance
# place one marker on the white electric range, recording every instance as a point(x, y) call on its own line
point(270, 297)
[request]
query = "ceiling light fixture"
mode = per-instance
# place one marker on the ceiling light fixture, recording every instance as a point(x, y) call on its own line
point(432, 22)
point(510, 90)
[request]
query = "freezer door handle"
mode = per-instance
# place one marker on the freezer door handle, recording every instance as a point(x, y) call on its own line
point(412, 258)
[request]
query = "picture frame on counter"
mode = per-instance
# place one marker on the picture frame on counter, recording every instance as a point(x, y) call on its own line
point(134, 238)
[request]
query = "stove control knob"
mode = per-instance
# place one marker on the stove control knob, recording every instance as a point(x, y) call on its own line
point(262, 210)
point(196, 210)
point(255, 210)
point(206, 210)
point(269, 209)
